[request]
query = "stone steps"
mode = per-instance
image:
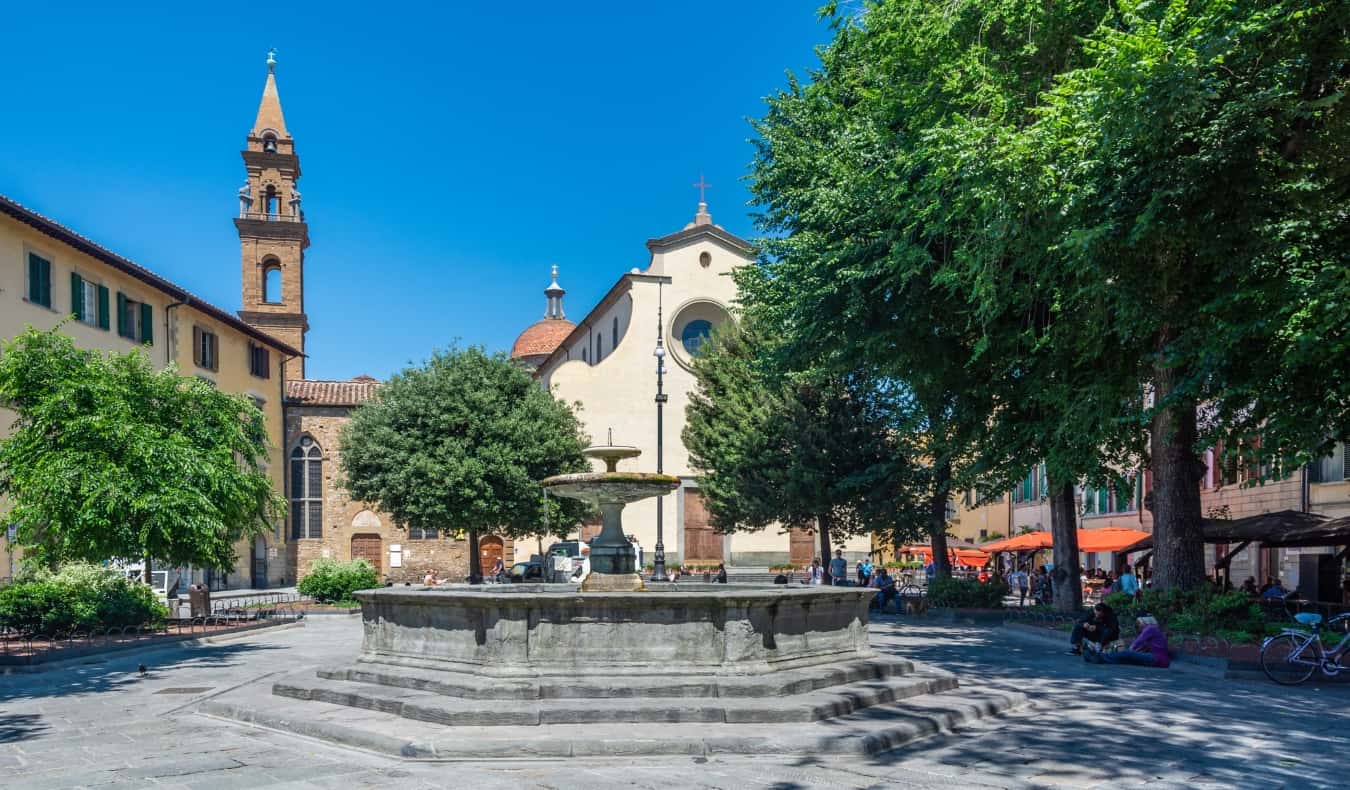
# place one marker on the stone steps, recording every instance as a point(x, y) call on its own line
point(467, 686)
point(872, 730)
point(431, 706)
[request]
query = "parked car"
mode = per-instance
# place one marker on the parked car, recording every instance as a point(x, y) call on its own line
point(523, 572)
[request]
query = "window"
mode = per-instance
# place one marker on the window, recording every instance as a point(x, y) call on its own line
point(614, 335)
point(135, 320)
point(599, 347)
point(259, 361)
point(1330, 468)
point(1026, 490)
point(1121, 498)
point(272, 201)
point(704, 259)
point(39, 280)
point(270, 143)
point(205, 348)
point(422, 533)
point(306, 490)
point(585, 354)
point(88, 301)
point(694, 335)
point(271, 282)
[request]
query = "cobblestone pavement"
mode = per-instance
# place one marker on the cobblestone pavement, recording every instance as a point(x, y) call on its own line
point(103, 724)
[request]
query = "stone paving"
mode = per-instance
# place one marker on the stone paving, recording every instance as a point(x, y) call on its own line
point(103, 724)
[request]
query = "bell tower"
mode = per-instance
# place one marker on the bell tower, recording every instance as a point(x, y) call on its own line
point(273, 234)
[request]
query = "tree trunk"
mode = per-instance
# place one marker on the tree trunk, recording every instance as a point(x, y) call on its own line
point(1178, 539)
point(1067, 575)
point(823, 531)
point(145, 572)
point(937, 530)
point(475, 565)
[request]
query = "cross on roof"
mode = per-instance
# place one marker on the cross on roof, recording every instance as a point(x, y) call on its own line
point(702, 186)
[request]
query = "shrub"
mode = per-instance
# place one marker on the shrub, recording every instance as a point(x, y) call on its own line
point(78, 597)
point(967, 593)
point(1232, 615)
point(330, 580)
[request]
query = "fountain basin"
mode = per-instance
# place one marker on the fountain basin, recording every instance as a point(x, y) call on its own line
point(615, 487)
point(537, 630)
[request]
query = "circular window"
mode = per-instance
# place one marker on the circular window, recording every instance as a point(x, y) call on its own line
point(694, 335)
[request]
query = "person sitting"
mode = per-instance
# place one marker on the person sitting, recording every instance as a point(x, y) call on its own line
point(1249, 586)
point(1149, 649)
point(885, 587)
point(721, 573)
point(430, 579)
point(1275, 590)
point(1100, 628)
point(781, 578)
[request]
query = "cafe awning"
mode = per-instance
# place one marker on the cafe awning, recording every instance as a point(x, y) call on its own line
point(1089, 540)
point(1283, 528)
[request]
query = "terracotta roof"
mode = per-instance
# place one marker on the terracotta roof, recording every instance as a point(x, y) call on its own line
point(312, 392)
point(542, 337)
point(63, 234)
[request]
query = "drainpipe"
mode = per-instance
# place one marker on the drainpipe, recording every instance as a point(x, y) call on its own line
point(168, 336)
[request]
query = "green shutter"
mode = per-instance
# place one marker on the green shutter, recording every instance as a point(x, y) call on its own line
point(147, 324)
point(46, 282)
point(103, 307)
point(122, 314)
point(77, 296)
point(1103, 500)
point(34, 279)
point(1089, 502)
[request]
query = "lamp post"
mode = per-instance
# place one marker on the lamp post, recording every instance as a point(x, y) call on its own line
point(659, 561)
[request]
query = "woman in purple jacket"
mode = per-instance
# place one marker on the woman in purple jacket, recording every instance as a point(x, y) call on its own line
point(1149, 649)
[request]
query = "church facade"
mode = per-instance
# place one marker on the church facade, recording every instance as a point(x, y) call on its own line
point(606, 362)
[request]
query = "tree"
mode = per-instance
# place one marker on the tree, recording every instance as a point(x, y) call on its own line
point(461, 443)
point(873, 224)
point(110, 458)
point(1200, 154)
point(799, 448)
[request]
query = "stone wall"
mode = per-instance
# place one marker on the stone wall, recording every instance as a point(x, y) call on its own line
point(345, 519)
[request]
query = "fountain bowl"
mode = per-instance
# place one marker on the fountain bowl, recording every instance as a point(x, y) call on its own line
point(617, 487)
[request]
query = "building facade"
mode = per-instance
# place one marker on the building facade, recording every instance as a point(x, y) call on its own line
point(49, 274)
point(606, 363)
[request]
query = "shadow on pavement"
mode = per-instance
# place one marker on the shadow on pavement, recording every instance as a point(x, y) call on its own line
point(16, 727)
point(100, 675)
point(1125, 724)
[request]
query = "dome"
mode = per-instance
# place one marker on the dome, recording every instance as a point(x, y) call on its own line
point(541, 338)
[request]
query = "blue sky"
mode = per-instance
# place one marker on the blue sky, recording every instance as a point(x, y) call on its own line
point(451, 153)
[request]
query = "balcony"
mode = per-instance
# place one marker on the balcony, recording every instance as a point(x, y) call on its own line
point(265, 217)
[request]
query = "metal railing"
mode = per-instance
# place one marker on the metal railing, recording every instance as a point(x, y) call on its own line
point(19, 648)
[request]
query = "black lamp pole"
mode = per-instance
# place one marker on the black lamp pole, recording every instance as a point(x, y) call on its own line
point(659, 561)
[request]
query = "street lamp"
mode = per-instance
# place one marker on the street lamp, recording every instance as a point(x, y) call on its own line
point(659, 561)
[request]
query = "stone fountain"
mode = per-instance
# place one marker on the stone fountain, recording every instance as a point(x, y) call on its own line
point(613, 559)
point(610, 668)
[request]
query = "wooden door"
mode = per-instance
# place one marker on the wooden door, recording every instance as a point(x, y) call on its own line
point(702, 543)
point(489, 551)
point(370, 549)
point(801, 546)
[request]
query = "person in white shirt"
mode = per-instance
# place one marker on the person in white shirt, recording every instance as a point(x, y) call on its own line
point(816, 573)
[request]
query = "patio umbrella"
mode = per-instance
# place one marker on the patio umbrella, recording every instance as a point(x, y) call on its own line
point(1029, 541)
point(1108, 538)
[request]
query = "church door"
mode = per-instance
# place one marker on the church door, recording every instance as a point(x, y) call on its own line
point(702, 543)
point(489, 551)
point(801, 546)
point(368, 548)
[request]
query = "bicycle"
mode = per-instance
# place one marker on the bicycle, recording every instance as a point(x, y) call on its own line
point(1293, 655)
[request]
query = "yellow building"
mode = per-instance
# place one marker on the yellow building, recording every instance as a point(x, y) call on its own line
point(49, 274)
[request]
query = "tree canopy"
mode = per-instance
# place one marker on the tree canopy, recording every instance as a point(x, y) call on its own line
point(807, 449)
point(1067, 228)
point(110, 458)
point(461, 444)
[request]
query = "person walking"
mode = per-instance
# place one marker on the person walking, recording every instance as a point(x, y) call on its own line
point(816, 573)
point(1022, 583)
point(1128, 583)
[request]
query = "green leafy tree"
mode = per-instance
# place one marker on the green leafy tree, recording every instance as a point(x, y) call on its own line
point(461, 444)
point(800, 449)
point(110, 458)
point(1200, 178)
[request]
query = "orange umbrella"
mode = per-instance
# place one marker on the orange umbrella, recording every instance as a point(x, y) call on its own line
point(1108, 538)
point(973, 557)
point(1030, 541)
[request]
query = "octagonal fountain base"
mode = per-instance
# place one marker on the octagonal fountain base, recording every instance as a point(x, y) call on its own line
point(549, 671)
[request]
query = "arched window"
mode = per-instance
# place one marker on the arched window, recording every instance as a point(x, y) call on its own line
point(306, 490)
point(614, 334)
point(270, 143)
point(599, 346)
point(271, 282)
point(272, 201)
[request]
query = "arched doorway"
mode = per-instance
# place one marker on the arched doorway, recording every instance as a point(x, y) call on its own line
point(369, 548)
point(490, 549)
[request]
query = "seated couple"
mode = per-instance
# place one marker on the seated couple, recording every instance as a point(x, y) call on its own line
point(1102, 628)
